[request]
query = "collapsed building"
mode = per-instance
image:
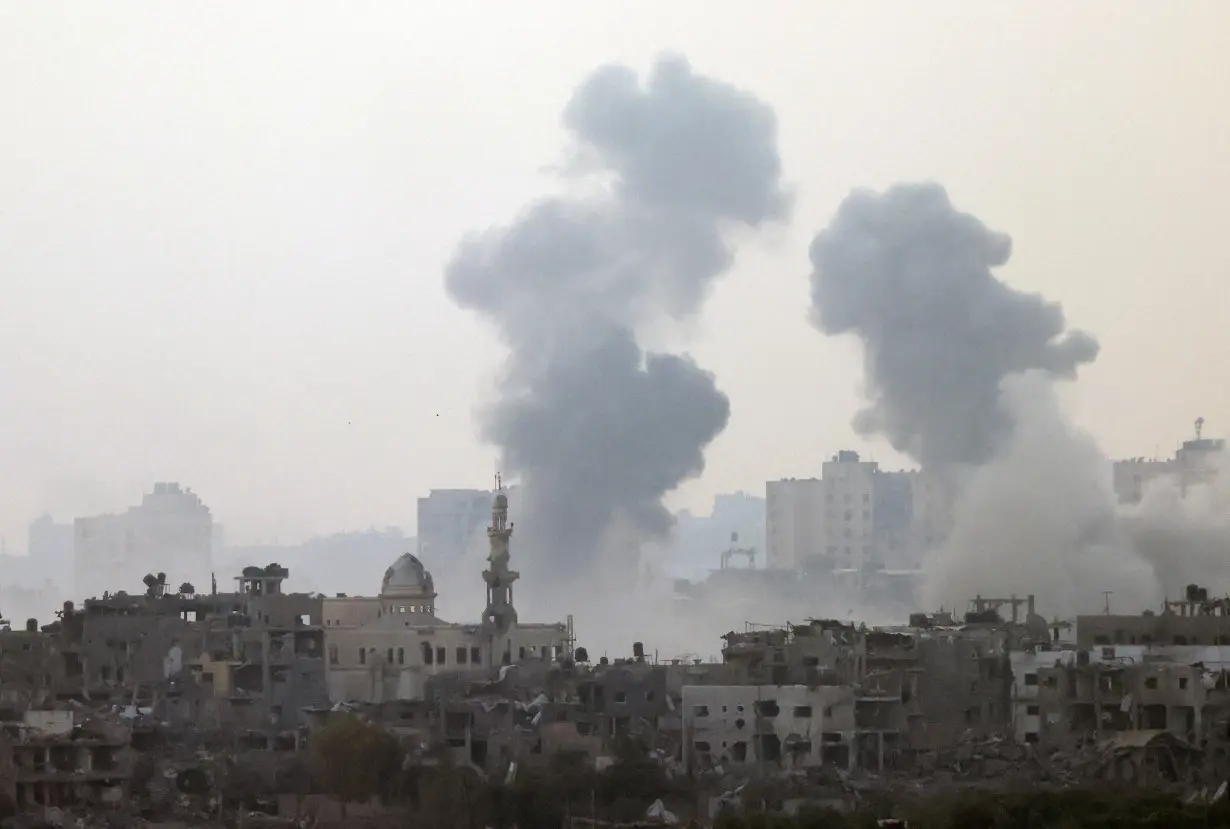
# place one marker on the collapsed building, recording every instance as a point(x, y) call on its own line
point(105, 683)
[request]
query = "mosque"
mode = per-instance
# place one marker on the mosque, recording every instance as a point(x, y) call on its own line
point(386, 647)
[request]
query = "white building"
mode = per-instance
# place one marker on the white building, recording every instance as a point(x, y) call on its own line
point(386, 647)
point(855, 517)
point(171, 532)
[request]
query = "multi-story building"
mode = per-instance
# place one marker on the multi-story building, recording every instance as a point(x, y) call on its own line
point(932, 516)
point(171, 528)
point(449, 520)
point(1194, 463)
point(794, 510)
point(49, 544)
point(856, 517)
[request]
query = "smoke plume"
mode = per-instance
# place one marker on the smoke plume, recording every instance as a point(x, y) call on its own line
point(960, 371)
point(596, 429)
point(911, 277)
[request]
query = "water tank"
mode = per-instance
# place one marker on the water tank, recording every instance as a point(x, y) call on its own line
point(638, 650)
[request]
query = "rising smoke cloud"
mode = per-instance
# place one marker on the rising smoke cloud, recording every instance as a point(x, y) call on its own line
point(911, 276)
point(597, 429)
point(961, 371)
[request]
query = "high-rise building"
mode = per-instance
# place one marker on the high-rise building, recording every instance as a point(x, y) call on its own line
point(1195, 462)
point(49, 545)
point(856, 516)
point(170, 532)
point(449, 520)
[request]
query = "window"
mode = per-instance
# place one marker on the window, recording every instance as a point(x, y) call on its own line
point(476, 655)
point(401, 656)
point(388, 657)
point(427, 654)
point(802, 711)
point(362, 656)
point(1031, 679)
point(702, 745)
point(461, 655)
point(1031, 736)
point(521, 652)
point(441, 656)
point(1182, 682)
point(333, 654)
point(1031, 710)
point(1151, 682)
point(700, 711)
point(620, 696)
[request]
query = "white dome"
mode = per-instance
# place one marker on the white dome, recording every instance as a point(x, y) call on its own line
point(407, 577)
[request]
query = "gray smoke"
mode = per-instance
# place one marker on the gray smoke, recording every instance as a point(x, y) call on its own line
point(596, 429)
point(911, 277)
point(961, 371)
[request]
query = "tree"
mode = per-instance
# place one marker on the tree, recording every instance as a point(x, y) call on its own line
point(355, 759)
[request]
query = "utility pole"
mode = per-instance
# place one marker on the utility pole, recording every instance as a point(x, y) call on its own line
point(1106, 594)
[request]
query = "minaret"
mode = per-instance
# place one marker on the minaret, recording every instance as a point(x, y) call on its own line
point(500, 615)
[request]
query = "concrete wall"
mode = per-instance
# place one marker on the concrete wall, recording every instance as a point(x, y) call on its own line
point(749, 727)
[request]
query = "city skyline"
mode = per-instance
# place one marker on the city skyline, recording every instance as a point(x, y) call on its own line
point(250, 298)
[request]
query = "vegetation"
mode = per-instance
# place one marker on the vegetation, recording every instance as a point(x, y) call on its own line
point(355, 759)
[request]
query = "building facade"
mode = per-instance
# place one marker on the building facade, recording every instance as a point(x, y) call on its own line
point(855, 518)
point(171, 528)
point(449, 520)
point(387, 647)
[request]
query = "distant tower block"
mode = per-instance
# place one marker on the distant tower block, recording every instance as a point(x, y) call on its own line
point(500, 615)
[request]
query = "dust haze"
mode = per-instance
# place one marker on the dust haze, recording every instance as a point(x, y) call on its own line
point(960, 373)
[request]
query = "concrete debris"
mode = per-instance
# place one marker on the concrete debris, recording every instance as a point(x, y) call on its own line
point(199, 708)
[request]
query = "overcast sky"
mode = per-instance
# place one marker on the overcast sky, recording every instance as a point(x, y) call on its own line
point(223, 226)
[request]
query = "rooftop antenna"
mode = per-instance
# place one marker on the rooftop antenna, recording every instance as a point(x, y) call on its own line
point(1199, 427)
point(1106, 594)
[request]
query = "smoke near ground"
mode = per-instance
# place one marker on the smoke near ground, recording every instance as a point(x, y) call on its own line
point(1040, 518)
point(1184, 533)
point(960, 372)
point(596, 429)
point(910, 276)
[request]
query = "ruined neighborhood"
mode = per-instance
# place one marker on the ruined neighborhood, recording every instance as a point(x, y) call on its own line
point(176, 705)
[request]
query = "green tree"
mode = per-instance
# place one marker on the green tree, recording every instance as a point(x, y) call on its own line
point(355, 759)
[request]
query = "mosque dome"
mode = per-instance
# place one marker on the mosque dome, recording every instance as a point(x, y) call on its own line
point(407, 577)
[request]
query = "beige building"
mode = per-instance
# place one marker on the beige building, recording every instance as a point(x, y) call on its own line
point(855, 517)
point(386, 647)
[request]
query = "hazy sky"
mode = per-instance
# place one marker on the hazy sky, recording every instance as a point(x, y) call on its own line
point(223, 226)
